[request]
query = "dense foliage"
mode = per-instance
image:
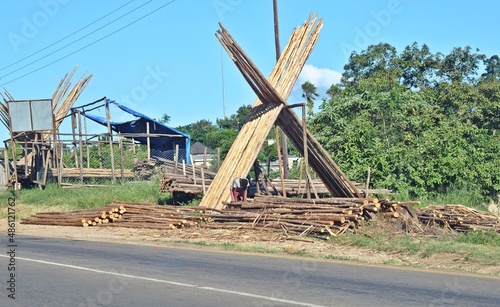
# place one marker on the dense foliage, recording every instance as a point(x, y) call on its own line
point(424, 123)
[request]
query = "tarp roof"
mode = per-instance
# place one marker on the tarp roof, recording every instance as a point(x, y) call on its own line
point(139, 125)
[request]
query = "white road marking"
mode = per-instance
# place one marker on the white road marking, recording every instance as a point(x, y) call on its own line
point(274, 299)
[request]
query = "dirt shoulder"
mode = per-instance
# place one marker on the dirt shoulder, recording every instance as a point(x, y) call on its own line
point(252, 241)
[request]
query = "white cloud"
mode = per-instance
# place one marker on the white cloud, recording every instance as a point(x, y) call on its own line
point(321, 77)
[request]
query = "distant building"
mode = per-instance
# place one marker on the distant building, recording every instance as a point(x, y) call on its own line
point(198, 153)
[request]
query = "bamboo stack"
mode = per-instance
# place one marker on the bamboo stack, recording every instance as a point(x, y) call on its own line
point(253, 133)
point(143, 215)
point(182, 184)
point(124, 214)
point(459, 218)
point(91, 172)
point(85, 218)
point(314, 217)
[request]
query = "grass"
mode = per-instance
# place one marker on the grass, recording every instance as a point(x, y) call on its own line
point(462, 196)
point(53, 198)
point(234, 247)
point(478, 247)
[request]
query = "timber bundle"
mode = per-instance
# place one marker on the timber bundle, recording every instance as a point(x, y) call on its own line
point(173, 183)
point(124, 214)
point(459, 218)
point(85, 218)
point(315, 217)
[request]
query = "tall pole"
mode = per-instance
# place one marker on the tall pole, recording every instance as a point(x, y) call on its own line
point(284, 145)
point(223, 90)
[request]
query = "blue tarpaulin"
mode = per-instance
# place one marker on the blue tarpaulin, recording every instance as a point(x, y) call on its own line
point(160, 146)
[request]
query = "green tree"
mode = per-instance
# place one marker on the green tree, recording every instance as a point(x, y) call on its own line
point(460, 65)
point(235, 121)
point(440, 135)
point(199, 130)
point(165, 118)
point(309, 93)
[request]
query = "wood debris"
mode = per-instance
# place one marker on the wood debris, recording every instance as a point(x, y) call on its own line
point(459, 218)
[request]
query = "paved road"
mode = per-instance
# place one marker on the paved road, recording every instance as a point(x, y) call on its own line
point(59, 272)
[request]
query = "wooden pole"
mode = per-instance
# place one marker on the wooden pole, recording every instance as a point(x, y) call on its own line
point(73, 129)
point(80, 141)
point(14, 158)
point(205, 157)
point(120, 145)
point(25, 150)
point(367, 182)
point(133, 150)
point(110, 134)
point(194, 169)
point(306, 157)
point(57, 142)
point(148, 141)
point(284, 145)
point(99, 152)
point(86, 140)
point(176, 158)
point(280, 163)
point(218, 158)
point(203, 180)
point(7, 166)
point(60, 166)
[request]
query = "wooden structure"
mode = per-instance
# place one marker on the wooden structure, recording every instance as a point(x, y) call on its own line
point(271, 108)
point(40, 151)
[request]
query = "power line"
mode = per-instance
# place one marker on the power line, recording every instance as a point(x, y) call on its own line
point(77, 40)
point(45, 48)
point(86, 46)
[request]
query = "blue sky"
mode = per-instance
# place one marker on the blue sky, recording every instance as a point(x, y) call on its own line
point(170, 61)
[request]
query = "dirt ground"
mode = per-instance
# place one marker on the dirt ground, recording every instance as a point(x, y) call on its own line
point(250, 240)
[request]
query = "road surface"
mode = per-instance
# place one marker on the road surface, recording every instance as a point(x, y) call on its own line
point(60, 272)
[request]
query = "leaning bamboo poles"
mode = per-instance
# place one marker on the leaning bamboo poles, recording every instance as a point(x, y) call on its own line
point(253, 133)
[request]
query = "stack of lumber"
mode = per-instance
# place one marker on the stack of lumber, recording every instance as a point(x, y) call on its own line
point(173, 183)
point(85, 218)
point(459, 218)
point(319, 217)
point(124, 214)
point(305, 217)
point(314, 217)
point(143, 215)
point(91, 172)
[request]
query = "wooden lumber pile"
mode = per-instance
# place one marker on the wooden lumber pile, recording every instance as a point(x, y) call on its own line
point(74, 172)
point(173, 183)
point(124, 214)
point(459, 218)
point(314, 217)
point(318, 217)
point(143, 215)
point(85, 218)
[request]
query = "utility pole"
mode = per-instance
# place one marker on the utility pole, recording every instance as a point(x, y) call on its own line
point(284, 146)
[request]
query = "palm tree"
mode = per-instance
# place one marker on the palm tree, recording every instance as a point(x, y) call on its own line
point(310, 95)
point(165, 118)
